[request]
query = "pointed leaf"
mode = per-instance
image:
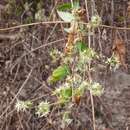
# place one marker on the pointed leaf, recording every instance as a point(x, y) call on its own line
point(66, 16)
point(59, 73)
point(64, 7)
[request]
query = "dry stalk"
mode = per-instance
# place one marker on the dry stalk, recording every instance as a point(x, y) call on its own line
point(59, 22)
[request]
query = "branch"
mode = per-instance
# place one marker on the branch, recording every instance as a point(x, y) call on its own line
point(31, 24)
point(58, 22)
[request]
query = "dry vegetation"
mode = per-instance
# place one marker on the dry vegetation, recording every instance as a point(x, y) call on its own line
point(43, 58)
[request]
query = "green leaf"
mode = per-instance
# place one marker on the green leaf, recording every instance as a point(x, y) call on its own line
point(66, 16)
point(64, 7)
point(59, 73)
point(80, 46)
point(66, 93)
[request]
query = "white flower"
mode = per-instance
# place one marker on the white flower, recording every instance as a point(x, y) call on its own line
point(43, 109)
point(23, 105)
point(96, 89)
point(96, 21)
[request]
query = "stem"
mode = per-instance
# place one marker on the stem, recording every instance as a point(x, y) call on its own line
point(93, 111)
point(59, 22)
point(86, 6)
point(72, 4)
point(90, 79)
point(89, 74)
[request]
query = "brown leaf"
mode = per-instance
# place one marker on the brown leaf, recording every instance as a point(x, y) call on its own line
point(74, 34)
point(82, 14)
point(77, 99)
point(120, 51)
point(69, 44)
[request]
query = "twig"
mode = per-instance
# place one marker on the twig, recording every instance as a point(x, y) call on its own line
point(63, 32)
point(99, 37)
point(20, 121)
point(53, 10)
point(30, 52)
point(35, 99)
point(113, 27)
point(89, 76)
point(59, 22)
point(51, 32)
point(93, 111)
point(31, 24)
point(50, 43)
point(17, 70)
point(7, 36)
point(86, 6)
point(127, 128)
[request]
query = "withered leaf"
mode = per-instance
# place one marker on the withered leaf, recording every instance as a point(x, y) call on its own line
point(119, 51)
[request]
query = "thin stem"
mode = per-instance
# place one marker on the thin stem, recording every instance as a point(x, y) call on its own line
point(72, 3)
point(89, 67)
point(31, 24)
point(86, 6)
point(93, 111)
point(59, 22)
